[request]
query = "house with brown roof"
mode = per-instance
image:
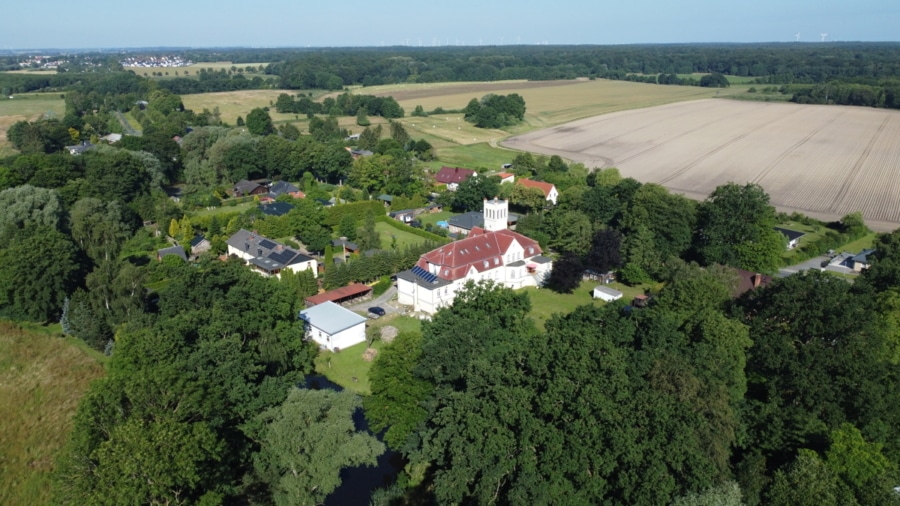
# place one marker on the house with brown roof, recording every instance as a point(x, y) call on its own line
point(491, 253)
point(244, 188)
point(749, 281)
point(452, 176)
point(549, 189)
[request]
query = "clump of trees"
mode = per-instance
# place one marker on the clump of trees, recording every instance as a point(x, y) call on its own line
point(495, 111)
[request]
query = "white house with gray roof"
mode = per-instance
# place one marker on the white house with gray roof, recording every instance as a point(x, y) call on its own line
point(333, 327)
point(268, 257)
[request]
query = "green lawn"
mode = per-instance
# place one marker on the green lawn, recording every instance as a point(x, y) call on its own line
point(860, 244)
point(813, 233)
point(237, 209)
point(433, 218)
point(388, 233)
point(473, 156)
point(343, 367)
point(545, 303)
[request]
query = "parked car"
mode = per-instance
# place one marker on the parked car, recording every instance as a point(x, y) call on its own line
point(377, 310)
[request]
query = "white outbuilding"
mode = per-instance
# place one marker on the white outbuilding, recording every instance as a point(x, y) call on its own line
point(333, 327)
point(606, 293)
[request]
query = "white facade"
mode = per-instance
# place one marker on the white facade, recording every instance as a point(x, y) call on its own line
point(496, 214)
point(333, 327)
point(606, 293)
point(504, 257)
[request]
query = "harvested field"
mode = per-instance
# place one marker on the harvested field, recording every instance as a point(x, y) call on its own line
point(28, 107)
point(824, 161)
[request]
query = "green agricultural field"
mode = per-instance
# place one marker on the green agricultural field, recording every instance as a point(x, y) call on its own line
point(42, 378)
point(232, 104)
point(194, 70)
point(26, 107)
point(474, 156)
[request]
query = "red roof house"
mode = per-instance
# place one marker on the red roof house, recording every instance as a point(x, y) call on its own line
point(453, 175)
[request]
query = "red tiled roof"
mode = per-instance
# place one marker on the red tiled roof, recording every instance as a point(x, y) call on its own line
point(449, 175)
point(544, 187)
point(480, 250)
point(504, 175)
point(346, 292)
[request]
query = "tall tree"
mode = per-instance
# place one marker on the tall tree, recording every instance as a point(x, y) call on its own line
point(306, 443)
point(39, 267)
point(398, 396)
point(735, 227)
point(259, 122)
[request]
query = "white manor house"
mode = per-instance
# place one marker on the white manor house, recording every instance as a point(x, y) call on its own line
point(492, 253)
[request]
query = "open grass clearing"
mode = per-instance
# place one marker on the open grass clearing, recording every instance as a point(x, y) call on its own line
point(193, 70)
point(433, 218)
point(481, 157)
point(545, 303)
point(860, 244)
point(389, 234)
point(232, 104)
point(823, 161)
point(26, 107)
point(42, 378)
point(347, 368)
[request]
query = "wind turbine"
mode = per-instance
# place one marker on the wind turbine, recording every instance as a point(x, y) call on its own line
point(797, 37)
point(823, 36)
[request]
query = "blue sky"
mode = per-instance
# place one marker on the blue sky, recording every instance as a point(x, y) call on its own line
point(267, 23)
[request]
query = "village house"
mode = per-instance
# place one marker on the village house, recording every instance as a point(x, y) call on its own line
point(244, 188)
point(332, 327)
point(268, 257)
point(490, 253)
point(280, 188)
point(548, 189)
point(452, 176)
point(792, 236)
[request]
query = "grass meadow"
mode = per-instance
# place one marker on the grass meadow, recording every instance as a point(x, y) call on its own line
point(42, 378)
point(26, 107)
point(344, 366)
point(545, 303)
point(389, 233)
point(194, 70)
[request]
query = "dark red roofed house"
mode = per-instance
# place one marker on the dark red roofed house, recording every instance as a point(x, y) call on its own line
point(491, 253)
point(452, 176)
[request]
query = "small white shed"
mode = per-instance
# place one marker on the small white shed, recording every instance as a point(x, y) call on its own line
point(606, 293)
point(333, 327)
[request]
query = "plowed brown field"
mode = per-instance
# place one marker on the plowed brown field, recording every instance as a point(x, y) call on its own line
point(824, 161)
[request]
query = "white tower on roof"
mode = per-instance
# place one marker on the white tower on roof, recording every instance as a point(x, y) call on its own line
point(496, 214)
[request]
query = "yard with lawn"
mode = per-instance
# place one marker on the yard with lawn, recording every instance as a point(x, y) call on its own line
point(389, 233)
point(545, 303)
point(348, 368)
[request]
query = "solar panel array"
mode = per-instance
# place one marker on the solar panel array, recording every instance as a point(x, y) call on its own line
point(265, 243)
point(283, 257)
point(422, 273)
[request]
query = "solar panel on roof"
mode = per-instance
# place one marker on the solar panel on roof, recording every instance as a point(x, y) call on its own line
point(265, 243)
point(282, 257)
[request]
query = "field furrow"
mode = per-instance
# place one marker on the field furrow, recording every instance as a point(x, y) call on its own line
point(823, 160)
